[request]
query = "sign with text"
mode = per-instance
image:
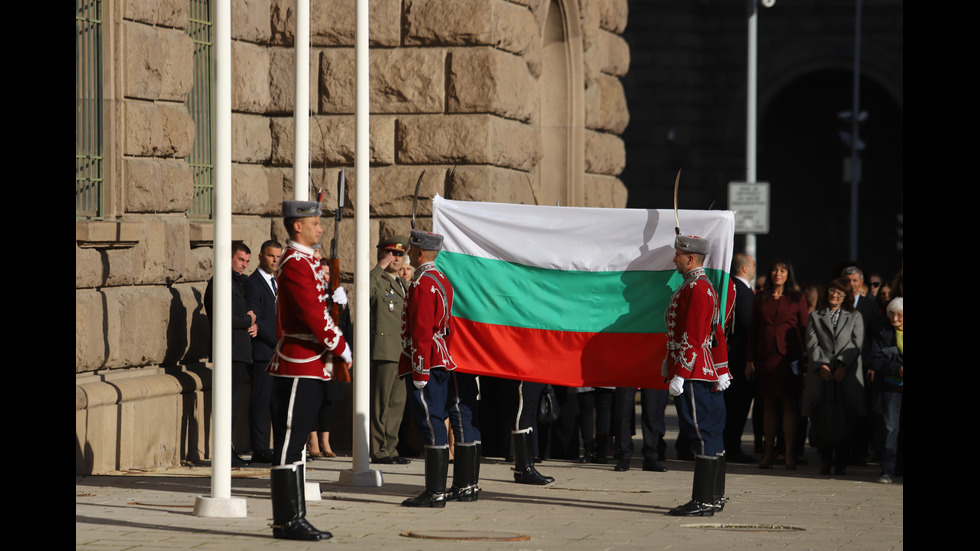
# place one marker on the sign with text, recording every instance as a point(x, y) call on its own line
point(751, 205)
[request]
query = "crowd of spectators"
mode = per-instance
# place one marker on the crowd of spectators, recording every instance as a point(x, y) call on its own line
point(836, 350)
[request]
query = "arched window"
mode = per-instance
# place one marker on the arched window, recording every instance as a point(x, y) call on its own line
point(561, 172)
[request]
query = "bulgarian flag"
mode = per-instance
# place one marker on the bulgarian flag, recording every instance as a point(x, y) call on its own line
point(567, 295)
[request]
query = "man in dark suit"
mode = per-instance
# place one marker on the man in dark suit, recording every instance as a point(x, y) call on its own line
point(260, 288)
point(867, 307)
point(739, 396)
point(863, 304)
point(243, 328)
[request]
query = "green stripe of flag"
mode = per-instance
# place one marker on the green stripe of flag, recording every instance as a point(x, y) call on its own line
point(505, 293)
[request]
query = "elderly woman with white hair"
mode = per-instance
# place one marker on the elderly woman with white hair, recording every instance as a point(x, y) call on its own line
point(887, 361)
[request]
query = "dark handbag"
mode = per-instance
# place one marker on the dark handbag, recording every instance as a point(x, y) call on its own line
point(829, 427)
point(548, 409)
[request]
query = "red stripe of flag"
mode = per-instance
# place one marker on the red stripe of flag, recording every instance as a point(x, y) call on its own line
point(557, 357)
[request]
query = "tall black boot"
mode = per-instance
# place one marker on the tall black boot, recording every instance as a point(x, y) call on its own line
point(289, 506)
point(465, 474)
point(703, 494)
point(436, 470)
point(524, 471)
point(719, 499)
point(301, 488)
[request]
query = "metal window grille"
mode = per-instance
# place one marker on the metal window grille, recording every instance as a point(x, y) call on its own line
point(200, 104)
point(89, 161)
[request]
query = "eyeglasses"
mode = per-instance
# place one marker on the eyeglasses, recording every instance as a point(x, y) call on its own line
point(876, 284)
point(836, 293)
point(397, 253)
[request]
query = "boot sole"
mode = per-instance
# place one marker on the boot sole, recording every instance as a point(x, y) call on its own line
point(540, 482)
point(701, 514)
point(280, 535)
point(436, 505)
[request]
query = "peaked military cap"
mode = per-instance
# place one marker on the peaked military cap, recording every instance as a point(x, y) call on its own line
point(395, 243)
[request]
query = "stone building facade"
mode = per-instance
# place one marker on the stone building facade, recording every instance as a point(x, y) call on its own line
point(496, 100)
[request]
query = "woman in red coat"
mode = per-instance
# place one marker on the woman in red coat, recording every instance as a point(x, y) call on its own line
point(776, 336)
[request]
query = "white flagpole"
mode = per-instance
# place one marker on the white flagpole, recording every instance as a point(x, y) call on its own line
point(301, 145)
point(220, 503)
point(301, 111)
point(360, 474)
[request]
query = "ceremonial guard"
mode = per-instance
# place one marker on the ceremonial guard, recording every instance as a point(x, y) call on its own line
point(307, 337)
point(522, 437)
point(435, 390)
point(697, 368)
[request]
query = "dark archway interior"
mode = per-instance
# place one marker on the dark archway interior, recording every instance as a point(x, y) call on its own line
point(802, 155)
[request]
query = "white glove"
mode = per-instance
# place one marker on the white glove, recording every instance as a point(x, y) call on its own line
point(340, 296)
point(723, 382)
point(346, 355)
point(419, 384)
point(676, 386)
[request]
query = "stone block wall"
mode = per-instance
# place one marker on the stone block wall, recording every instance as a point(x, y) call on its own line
point(455, 91)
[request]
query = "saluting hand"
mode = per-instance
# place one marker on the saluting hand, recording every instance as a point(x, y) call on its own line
point(386, 261)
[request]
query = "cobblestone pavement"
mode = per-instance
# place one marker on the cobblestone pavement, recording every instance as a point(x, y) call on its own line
point(587, 507)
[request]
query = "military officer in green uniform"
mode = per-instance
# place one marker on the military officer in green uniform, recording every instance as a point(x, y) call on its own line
point(388, 393)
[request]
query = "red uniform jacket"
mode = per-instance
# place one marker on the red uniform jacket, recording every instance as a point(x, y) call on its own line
point(696, 346)
point(425, 324)
point(307, 334)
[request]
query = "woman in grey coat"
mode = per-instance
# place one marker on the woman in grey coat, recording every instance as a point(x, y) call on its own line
point(834, 336)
